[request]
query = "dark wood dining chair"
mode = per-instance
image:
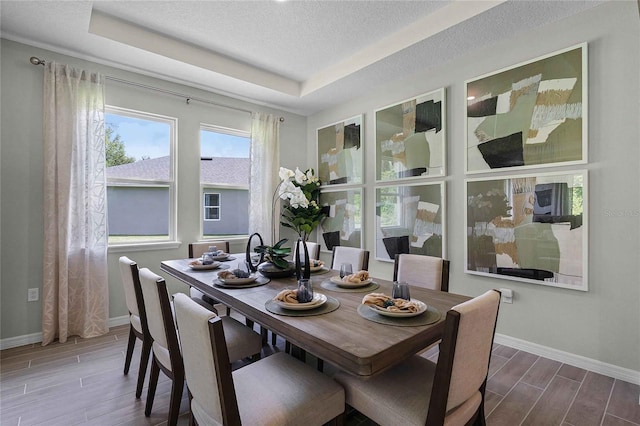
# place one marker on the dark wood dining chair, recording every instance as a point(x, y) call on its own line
point(419, 392)
point(277, 390)
point(242, 342)
point(422, 271)
point(166, 350)
point(138, 328)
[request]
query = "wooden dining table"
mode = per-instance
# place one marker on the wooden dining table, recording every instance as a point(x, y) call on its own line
point(341, 337)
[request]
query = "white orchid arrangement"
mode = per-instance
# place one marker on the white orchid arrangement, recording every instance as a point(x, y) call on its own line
point(302, 190)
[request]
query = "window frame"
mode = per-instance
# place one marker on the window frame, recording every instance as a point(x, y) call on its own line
point(212, 207)
point(205, 187)
point(170, 183)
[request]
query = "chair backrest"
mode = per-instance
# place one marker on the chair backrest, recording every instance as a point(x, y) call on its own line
point(358, 258)
point(463, 362)
point(130, 280)
point(196, 249)
point(312, 248)
point(422, 271)
point(160, 319)
point(206, 360)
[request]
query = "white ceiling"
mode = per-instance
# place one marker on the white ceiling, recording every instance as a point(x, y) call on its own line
point(301, 56)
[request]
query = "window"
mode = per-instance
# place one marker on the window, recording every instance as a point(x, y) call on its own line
point(140, 176)
point(211, 206)
point(224, 174)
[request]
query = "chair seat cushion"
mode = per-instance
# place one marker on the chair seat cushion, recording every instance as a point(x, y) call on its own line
point(162, 355)
point(242, 342)
point(135, 322)
point(280, 390)
point(398, 396)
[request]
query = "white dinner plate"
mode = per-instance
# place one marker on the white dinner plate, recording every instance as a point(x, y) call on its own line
point(316, 268)
point(319, 299)
point(338, 281)
point(200, 267)
point(230, 281)
point(422, 307)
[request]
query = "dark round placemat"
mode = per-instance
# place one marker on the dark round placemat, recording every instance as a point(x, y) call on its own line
point(329, 306)
point(329, 285)
point(321, 271)
point(261, 280)
point(430, 316)
point(228, 259)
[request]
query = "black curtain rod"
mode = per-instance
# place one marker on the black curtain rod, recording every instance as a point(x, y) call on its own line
point(37, 61)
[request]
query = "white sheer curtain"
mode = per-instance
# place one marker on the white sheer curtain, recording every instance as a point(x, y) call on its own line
point(75, 288)
point(265, 163)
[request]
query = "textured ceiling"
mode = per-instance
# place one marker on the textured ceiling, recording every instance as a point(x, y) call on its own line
point(301, 56)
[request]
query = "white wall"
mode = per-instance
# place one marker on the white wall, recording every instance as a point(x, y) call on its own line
point(22, 177)
point(602, 324)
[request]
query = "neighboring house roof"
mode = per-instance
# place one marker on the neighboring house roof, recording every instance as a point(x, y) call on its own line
point(216, 170)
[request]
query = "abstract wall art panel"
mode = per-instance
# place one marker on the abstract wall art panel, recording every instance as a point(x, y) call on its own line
point(340, 152)
point(411, 138)
point(529, 228)
point(529, 115)
point(343, 224)
point(409, 219)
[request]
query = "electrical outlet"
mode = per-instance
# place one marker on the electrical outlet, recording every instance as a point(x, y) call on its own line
point(33, 295)
point(507, 295)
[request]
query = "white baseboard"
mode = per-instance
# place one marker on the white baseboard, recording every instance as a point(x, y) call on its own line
point(589, 364)
point(579, 361)
point(29, 339)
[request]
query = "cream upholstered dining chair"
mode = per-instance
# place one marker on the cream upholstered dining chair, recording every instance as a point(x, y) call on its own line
point(358, 258)
point(242, 341)
point(196, 250)
point(451, 392)
point(422, 271)
point(277, 390)
point(312, 248)
point(138, 328)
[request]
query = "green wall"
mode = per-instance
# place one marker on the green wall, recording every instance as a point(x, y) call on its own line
point(602, 324)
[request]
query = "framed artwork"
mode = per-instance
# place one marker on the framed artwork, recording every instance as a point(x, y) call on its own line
point(530, 115)
point(343, 224)
point(340, 152)
point(411, 137)
point(409, 219)
point(529, 228)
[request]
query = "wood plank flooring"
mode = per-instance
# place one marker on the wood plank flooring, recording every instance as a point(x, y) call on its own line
point(80, 382)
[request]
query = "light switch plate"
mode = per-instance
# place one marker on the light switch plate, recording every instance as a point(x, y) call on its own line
point(507, 295)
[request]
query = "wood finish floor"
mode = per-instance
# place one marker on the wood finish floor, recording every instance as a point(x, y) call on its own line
point(81, 382)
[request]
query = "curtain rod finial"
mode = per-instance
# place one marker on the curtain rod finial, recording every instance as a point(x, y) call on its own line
point(36, 61)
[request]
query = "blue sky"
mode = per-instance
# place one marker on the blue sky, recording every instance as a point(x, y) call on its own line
point(151, 139)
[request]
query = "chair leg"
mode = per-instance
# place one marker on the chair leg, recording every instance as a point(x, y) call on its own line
point(320, 365)
point(228, 311)
point(144, 362)
point(337, 421)
point(153, 382)
point(130, 346)
point(176, 397)
point(274, 338)
point(264, 333)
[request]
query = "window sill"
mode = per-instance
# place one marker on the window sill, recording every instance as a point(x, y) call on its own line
point(164, 245)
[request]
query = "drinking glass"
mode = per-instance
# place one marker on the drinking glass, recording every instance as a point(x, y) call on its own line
point(401, 290)
point(305, 291)
point(207, 258)
point(345, 269)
